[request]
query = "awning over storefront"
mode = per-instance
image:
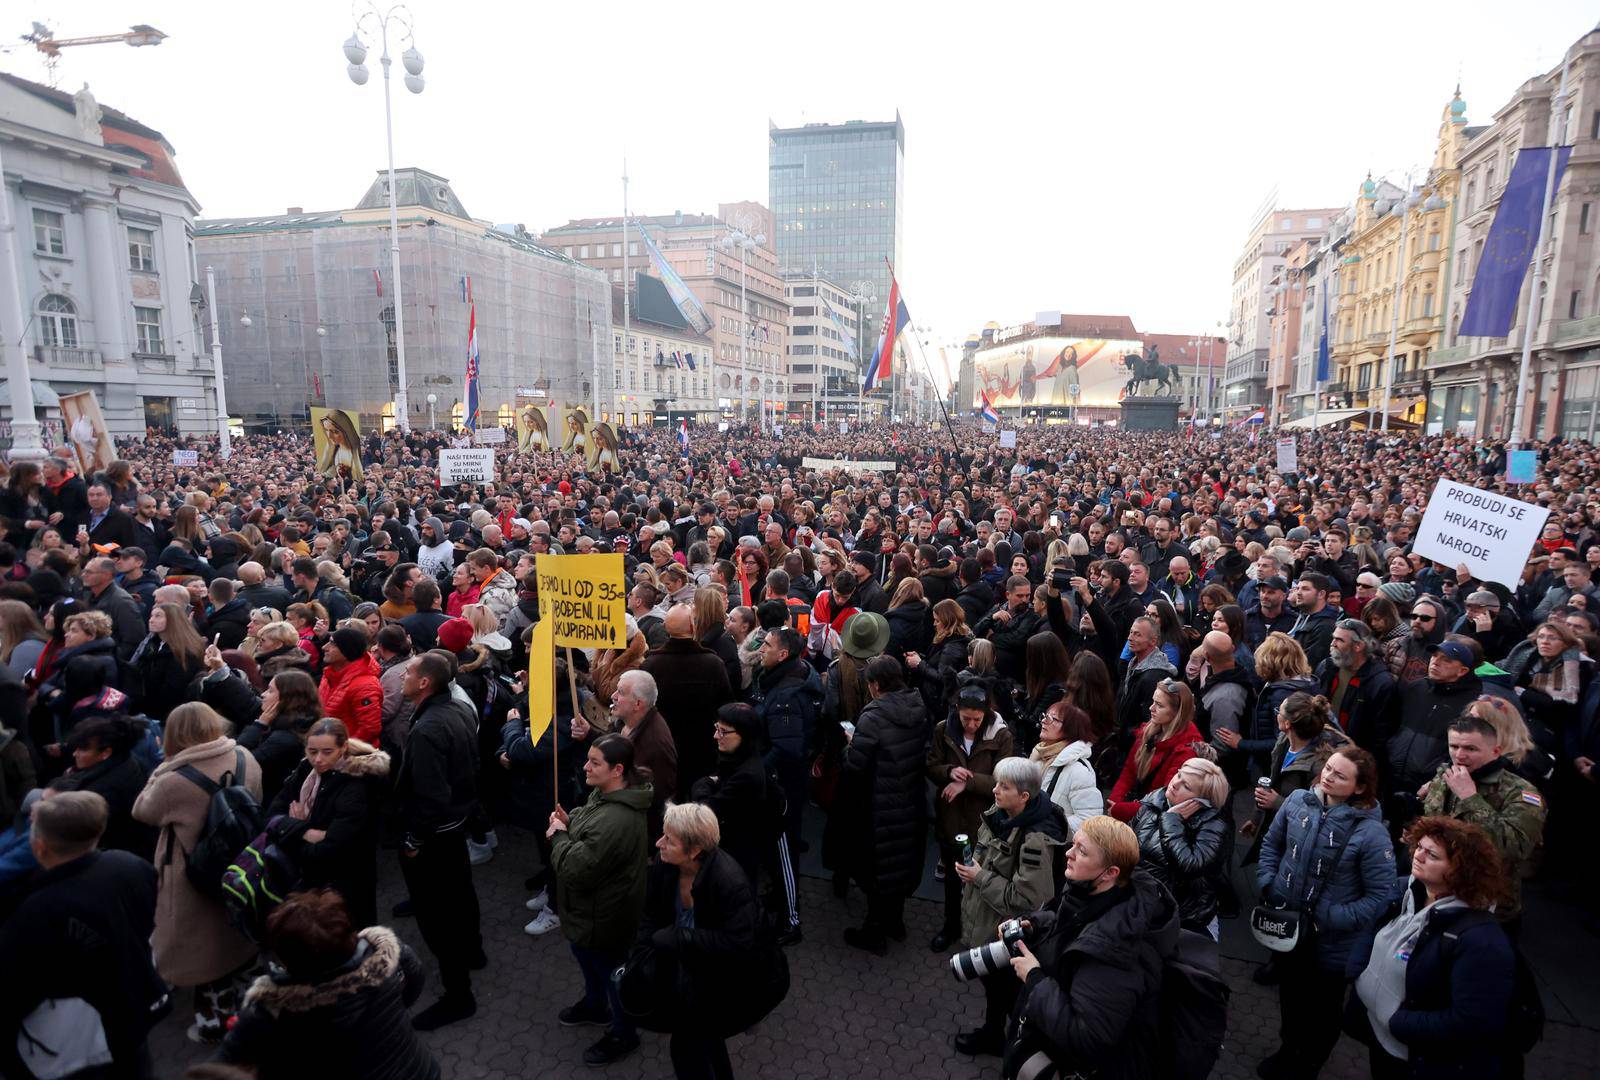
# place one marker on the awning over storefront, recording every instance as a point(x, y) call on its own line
point(1367, 418)
point(1322, 419)
point(45, 397)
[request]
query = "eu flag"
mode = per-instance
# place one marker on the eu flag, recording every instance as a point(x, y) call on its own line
point(1492, 304)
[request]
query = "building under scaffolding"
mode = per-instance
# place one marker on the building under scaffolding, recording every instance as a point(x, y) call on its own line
point(306, 305)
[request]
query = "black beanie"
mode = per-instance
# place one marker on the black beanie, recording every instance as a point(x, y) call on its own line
point(350, 642)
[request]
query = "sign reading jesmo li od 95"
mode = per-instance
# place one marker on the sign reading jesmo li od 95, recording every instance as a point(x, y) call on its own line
point(1491, 533)
point(585, 598)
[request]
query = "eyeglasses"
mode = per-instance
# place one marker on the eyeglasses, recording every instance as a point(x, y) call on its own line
point(1424, 618)
point(722, 732)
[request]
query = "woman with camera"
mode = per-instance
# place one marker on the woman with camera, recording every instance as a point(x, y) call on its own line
point(1015, 863)
point(961, 764)
point(1437, 991)
point(1326, 867)
point(1184, 839)
point(1091, 962)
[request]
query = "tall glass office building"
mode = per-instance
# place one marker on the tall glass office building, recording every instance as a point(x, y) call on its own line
point(836, 192)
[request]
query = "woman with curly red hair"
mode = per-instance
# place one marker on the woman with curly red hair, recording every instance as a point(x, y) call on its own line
point(1436, 992)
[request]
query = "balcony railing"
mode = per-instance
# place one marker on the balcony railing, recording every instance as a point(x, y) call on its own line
point(1577, 330)
point(63, 357)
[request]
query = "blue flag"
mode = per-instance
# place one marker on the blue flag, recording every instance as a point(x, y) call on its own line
point(1322, 339)
point(1492, 304)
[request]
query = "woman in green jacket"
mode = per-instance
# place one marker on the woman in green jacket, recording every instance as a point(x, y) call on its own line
point(600, 855)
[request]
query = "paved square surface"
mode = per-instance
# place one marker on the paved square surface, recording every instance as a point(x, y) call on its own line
point(850, 1014)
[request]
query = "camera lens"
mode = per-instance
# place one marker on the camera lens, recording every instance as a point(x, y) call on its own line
point(983, 960)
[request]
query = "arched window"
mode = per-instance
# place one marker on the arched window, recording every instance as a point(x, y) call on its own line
point(506, 417)
point(1427, 301)
point(58, 321)
point(458, 416)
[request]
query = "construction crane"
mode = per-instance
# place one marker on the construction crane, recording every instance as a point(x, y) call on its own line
point(43, 38)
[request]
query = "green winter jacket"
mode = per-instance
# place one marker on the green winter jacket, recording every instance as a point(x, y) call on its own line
point(1507, 807)
point(1020, 860)
point(600, 861)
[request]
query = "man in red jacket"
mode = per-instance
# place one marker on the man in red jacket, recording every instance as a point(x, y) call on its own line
point(350, 688)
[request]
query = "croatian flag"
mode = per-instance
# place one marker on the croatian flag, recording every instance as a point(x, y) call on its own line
point(987, 412)
point(683, 432)
point(472, 369)
point(895, 320)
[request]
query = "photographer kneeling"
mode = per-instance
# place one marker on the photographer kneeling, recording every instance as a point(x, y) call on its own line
point(1091, 963)
point(1012, 871)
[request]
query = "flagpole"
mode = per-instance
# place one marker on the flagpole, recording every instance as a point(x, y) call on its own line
point(1558, 122)
point(627, 282)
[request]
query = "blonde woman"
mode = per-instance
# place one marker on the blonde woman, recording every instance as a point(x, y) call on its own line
point(278, 649)
point(711, 630)
point(1183, 834)
point(486, 631)
point(195, 944)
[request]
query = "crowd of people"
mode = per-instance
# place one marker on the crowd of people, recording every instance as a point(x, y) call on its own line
point(1096, 674)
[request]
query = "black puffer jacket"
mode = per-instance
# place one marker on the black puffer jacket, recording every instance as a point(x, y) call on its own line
point(352, 1024)
point(713, 957)
point(1095, 996)
point(885, 792)
point(1420, 745)
point(346, 808)
point(1183, 854)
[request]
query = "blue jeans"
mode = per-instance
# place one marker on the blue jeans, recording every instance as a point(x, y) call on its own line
point(597, 967)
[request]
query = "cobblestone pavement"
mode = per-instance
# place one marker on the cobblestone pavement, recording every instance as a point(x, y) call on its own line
point(850, 1014)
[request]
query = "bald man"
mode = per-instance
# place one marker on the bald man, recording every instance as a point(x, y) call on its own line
point(258, 592)
point(691, 683)
point(1224, 700)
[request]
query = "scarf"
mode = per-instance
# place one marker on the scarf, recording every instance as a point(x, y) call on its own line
point(300, 809)
point(1557, 678)
point(1045, 752)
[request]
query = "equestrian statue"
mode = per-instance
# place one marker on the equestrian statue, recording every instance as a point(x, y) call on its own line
point(1148, 368)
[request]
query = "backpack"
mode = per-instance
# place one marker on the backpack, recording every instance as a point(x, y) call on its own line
point(233, 821)
point(790, 713)
point(1193, 1019)
point(257, 881)
point(1194, 1009)
point(1525, 1015)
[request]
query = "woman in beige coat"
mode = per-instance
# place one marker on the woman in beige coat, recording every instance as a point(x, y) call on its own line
point(194, 943)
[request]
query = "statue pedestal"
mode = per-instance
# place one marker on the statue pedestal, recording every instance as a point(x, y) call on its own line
point(1150, 414)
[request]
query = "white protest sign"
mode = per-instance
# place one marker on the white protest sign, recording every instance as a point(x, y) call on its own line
point(491, 436)
point(1491, 533)
point(465, 467)
point(186, 457)
point(1288, 457)
point(843, 463)
point(1008, 439)
point(844, 427)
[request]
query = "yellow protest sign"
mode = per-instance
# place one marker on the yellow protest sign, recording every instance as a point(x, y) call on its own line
point(584, 598)
point(541, 680)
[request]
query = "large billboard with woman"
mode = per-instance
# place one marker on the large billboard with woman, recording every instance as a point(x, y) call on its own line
point(1043, 372)
point(336, 443)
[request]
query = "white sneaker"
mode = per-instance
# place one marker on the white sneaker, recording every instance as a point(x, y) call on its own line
point(478, 854)
point(539, 902)
point(545, 923)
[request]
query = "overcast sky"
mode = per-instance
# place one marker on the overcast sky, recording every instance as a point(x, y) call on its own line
point(1101, 158)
